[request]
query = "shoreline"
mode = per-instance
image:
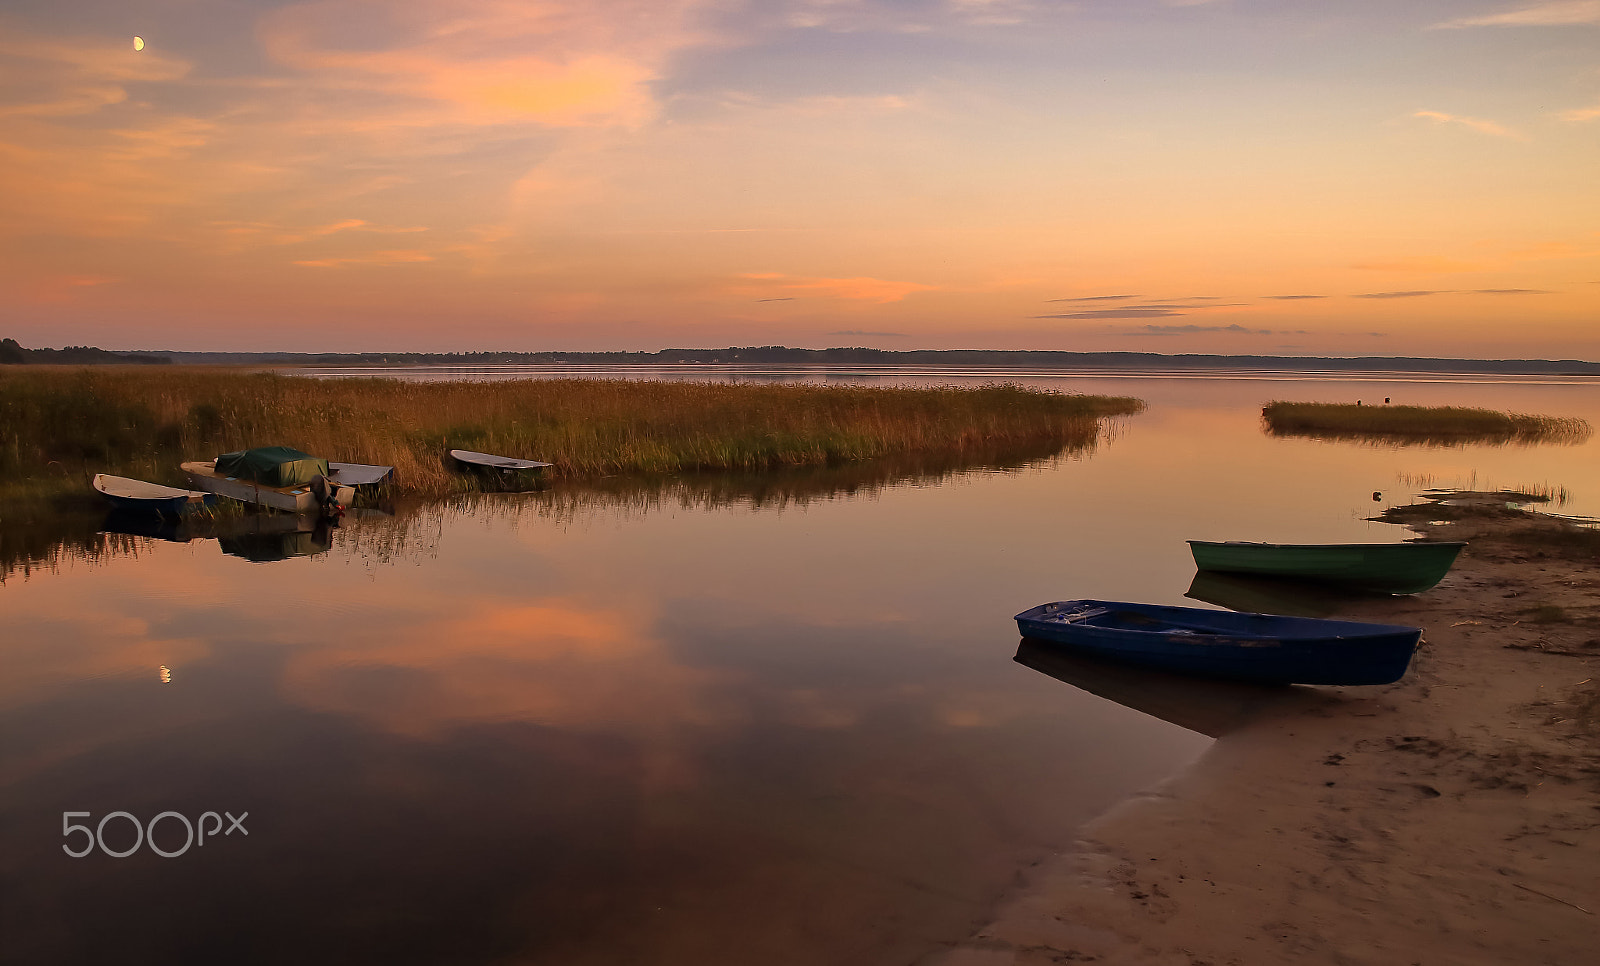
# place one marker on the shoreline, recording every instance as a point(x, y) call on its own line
point(1450, 818)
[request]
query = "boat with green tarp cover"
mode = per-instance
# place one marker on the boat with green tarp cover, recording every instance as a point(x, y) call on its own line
point(1389, 568)
point(272, 476)
point(272, 466)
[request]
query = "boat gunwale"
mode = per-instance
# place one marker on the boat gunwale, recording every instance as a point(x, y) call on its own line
point(506, 462)
point(1366, 629)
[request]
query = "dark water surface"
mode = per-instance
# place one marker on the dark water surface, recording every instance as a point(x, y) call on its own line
point(720, 721)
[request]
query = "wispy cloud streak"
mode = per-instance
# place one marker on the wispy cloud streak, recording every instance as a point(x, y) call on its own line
point(1476, 124)
point(1234, 329)
point(1553, 14)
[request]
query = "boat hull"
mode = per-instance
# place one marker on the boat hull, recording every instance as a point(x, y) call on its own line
point(1390, 568)
point(291, 499)
point(488, 462)
point(360, 474)
point(1265, 648)
point(137, 496)
point(499, 472)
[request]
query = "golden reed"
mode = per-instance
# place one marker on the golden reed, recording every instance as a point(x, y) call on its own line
point(58, 423)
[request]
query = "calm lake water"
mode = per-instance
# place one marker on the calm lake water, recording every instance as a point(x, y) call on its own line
point(728, 720)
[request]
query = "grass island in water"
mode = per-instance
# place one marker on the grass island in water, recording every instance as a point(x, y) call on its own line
point(1419, 424)
point(57, 426)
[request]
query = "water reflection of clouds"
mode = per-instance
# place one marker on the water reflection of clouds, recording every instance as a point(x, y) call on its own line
point(84, 643)
point(75, 622)
point(758, 715)
point(553, 662)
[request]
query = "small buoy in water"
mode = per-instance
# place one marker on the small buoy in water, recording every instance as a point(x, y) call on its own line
point(1358, 402)
point(1376, 496)
point(1386, 400)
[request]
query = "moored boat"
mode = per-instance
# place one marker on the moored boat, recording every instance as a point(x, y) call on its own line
point(359, 475)
point(1389, 568)
point(499, 472)
point(137, 496)
point(1247, 647)
point(277, 477)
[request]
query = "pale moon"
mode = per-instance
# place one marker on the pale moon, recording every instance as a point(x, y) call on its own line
point(138, 43)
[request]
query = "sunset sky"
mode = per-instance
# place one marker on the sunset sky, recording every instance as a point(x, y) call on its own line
point(1354, 177)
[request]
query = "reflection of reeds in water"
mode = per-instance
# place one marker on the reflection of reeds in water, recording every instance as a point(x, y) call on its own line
point(414, 528)
point(36, 538)
point(1432, 425)
point(140, 422)
point(798, 486)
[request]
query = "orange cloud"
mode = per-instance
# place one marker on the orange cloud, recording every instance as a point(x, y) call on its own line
point(854, 289)
point(489, 62)
point(1481, 126)
point(166, 139)
point(1556, 250)
point(60, 288)
point(62, 78)
point(400, 257)
point(1550, 13)
point(1420, 264)
point(338, 226)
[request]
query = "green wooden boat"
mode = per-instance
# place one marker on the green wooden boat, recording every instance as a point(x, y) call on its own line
point(1389, 568)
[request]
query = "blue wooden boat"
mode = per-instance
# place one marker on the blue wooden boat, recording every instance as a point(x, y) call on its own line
point(137, 496)
point(1246, 647)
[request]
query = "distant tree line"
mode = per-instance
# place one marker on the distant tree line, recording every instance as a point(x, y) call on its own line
point(777, 355)
point(73, 355)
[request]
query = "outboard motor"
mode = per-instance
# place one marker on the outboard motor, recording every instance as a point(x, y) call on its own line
point(325, 492)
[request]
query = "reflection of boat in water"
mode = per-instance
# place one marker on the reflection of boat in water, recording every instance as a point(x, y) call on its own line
point(151, 499)
point(152, 525)
point(1250, 647)
point(1273, 595)
point(264, 547)
point(1387, 568)
point(1211, 708)
point(259, 537)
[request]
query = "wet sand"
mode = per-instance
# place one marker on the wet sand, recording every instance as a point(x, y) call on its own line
point(1452, 818)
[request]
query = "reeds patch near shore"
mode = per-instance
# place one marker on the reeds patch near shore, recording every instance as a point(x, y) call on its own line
point(58, 425)
point(1440, 425)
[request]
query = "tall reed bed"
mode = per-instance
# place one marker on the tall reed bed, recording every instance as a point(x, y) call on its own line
point(61, 423)
point(1419, 424)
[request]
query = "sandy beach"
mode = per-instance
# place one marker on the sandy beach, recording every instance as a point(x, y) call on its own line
point(1451, 818)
